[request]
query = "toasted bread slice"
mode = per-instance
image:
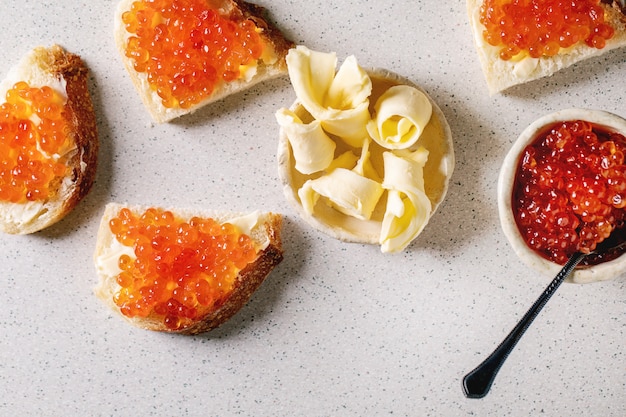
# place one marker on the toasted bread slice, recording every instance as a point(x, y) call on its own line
point(263, 229)
point(502, 74)
point(66, 74)
point(270, 64)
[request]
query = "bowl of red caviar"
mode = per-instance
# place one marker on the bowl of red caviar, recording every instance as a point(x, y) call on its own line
point(562, 190)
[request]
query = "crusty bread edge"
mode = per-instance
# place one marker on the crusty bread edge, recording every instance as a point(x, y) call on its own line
point(265, 71)
point(500, 75)
point(266, 234)
point(59, 65)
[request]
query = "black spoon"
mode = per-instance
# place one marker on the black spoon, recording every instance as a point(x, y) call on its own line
point(477, 383)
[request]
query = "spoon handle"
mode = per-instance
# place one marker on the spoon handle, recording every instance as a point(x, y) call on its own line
point(477, 383)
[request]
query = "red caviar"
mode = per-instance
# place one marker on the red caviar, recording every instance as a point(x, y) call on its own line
point(542, 27)
point(32, 132)
point(180, 270)
point(570, 189)
point(186, 48)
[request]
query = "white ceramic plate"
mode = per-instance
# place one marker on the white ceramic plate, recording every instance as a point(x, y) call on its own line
point(437, 138)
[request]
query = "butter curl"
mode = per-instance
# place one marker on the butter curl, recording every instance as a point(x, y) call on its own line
point(408, 207)
point(346, 191)
point(312, 149)
point(400, 115)
point(339, 101)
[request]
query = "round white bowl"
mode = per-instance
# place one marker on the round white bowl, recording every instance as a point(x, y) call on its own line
point(437, 138)
point(600, 272)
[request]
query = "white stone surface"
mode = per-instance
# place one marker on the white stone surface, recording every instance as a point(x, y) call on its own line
point(337, 329)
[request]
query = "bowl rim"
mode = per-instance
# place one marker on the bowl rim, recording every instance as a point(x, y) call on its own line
point(601, 272)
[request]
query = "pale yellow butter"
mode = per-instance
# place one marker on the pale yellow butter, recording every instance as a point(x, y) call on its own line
point(346, 191)
point(339, 101)
point(408, 207)
point(401, 114)
point(312, 149)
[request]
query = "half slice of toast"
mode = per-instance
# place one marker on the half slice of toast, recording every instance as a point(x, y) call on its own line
point(208, 48)
point(502, 74)
point(62, 75)
point(190, 281)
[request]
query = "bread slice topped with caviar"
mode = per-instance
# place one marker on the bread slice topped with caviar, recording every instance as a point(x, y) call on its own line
point(48, 140)
point(520, 41)
point(184, 54)
point(183, 271)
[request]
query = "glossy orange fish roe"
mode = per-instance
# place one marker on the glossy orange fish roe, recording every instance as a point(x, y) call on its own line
point(542, 27)
point(570, 189)
point(182, 270)
point(186, 48)
point(32, 130)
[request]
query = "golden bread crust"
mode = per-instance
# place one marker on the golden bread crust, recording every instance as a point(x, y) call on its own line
point(619, 7)
point(272, 35)
point(80, 114)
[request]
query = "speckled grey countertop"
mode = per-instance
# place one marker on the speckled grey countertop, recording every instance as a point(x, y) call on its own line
point(337, 329)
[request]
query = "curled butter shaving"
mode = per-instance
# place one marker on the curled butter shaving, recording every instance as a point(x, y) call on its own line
point(401, 114)
point(312, 149)
point(364, 165)
point(346, 160)
point(339, 101)
point(346, 191)
point(408, 207)
point(349, 191)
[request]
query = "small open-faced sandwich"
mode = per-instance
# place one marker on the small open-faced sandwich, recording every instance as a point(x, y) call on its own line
point(48, 140)
point(520, 41)
point(184, 54)
point(183, 271)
